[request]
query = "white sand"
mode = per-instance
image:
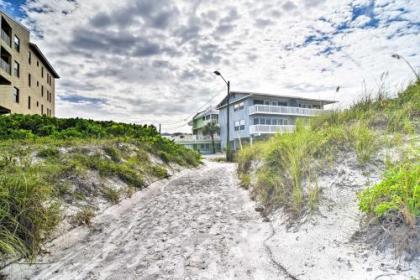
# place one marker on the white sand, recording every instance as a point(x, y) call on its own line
point(197, 225)
point(201, 225)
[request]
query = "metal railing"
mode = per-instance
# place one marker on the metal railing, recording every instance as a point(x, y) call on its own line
point(284, 110)
point(270, 129)
point(5, 37)
point(195, 138)
point(5, 66)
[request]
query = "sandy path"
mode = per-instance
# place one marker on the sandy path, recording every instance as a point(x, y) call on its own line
point(197, 225)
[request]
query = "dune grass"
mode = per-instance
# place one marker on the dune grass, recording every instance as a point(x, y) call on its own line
point(288, 164)
point(44, 162)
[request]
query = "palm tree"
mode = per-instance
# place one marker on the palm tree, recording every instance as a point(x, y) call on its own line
point(211, 129)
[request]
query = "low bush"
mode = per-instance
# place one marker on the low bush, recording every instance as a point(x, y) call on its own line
point(111, 195)
point(398, 193)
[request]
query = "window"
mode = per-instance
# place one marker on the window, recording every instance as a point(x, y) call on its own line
point(42, 109)
point(42, 72)
point(16, 69)
point(42, 91)
point(16, 94)
point(29, 80)
point(258, 102)
point(256, 121)
point(29, 102)
point(37, 104)
point(242, 125)
point(29, 57)
point(282, 103)
point(37, 83)
point(37, 63)
point(238, 106)
point(16, 43)
point(236, 126)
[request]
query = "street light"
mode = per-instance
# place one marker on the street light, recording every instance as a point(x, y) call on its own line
point(397, 56)
point(228, 151)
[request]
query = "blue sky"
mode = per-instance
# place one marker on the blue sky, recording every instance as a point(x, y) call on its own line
point(152, 61)
point(13, 7)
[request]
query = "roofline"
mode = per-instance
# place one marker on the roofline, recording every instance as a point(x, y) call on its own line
point(38, 52)
point(250, 94)
point(12, 19)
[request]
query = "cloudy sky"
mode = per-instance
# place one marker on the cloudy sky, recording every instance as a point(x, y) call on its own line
point(152, 60)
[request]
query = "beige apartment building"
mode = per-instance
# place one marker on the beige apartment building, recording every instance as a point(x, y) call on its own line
point(27, 79)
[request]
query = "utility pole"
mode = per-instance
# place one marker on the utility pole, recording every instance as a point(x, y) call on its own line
point(228, 151)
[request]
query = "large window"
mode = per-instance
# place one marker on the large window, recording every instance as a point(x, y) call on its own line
point(16, 94)
point(16, 69)
point(238, 106)
point(240, 125)
point(16, 43)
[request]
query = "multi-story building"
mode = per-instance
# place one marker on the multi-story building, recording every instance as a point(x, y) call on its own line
point(201, 140)
point(257, 115)
point(27, 79)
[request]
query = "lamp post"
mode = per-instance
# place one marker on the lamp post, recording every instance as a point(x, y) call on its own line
point(228, 151)
point(397, 56)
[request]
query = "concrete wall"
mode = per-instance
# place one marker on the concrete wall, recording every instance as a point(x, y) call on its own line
point(35, 69)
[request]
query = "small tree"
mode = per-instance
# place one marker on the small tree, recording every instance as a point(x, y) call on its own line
point(211, 129)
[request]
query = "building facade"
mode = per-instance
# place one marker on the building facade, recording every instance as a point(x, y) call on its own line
point(258, 115)
point(199, 140)
point(27, 79)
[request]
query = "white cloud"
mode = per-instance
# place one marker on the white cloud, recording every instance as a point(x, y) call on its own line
point(153, 60)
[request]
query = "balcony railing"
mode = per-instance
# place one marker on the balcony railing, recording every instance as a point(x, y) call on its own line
point(195, 138)
point(5, 66)
point(270, 129)
point(5, 37)
point(284, 110)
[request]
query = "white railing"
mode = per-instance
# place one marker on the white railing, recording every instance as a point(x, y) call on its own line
point(284, 110)
point(195, 138)
point(270, 129)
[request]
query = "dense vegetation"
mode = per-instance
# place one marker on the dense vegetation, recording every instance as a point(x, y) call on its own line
point(398, 194)
point(289, 164)
point(46, 163)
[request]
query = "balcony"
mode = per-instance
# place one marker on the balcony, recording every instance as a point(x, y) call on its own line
point(285, 110)
point(270, 129)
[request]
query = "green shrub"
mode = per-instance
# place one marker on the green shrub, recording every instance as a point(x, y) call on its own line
point(113, 153)
point(50, 152)
point(398, 192)
point(111, 195)
point(159, 171)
